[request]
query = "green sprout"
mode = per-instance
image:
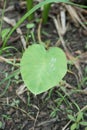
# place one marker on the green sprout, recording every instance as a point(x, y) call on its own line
point(29, 7)
point(45, 13)
point(77, 121)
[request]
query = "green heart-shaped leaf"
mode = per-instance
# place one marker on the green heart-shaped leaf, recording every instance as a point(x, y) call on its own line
point(42, 69)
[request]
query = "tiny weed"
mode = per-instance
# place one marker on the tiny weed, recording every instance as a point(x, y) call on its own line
point(6, 117)
point(54, 112)
point(10, 76)
point(30, 33)
point(15, 103)
point(77, 121)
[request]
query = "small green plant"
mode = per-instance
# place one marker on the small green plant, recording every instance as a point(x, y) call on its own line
point(30, 32)
point(54, 112)
point(15, 103)
point(42, 69)
point(6, 117)
point(77, 121)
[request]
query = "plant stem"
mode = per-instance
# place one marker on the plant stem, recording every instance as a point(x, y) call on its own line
point(46, 12)
point(29, 7)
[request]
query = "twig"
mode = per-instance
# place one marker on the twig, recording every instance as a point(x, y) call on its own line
point(47, 122)
point(39, 32)
point(32, 118)
point(2, 59)
point(74, 15)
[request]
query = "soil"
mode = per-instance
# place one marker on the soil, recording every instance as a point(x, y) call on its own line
point(24, 111)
